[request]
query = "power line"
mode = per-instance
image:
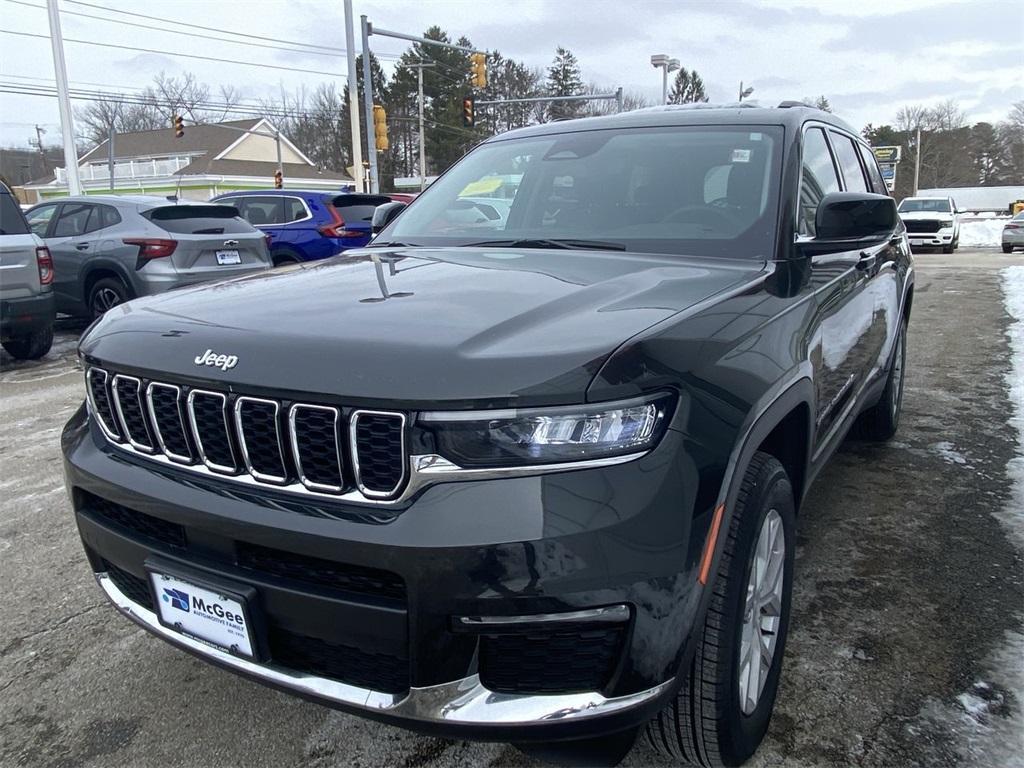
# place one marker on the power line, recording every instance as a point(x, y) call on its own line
point(219, 38)
point(176, 54)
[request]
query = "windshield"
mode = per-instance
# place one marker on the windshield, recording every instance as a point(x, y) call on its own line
point(705, 191)
point(928, 206)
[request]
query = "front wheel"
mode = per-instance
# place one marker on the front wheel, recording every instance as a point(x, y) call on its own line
point(721, 713)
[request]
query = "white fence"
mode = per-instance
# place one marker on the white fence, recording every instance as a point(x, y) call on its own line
point(127, 169)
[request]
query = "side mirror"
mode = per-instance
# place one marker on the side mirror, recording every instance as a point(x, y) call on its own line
point(385, 214)
point(849, 218)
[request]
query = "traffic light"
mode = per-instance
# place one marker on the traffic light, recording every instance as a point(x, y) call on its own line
point(278, 180)
point(179, 125)
point(478, 69)
point(469, 111)
point(380, 127)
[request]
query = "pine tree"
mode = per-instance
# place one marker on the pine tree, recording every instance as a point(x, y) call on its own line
point(821, 103)
point(564, 79)
point(687, 88)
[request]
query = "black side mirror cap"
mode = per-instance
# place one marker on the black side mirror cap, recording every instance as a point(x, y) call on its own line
point(848, 220)
point(385, 214)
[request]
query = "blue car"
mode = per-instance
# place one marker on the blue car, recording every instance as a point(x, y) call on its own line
point(306, 225)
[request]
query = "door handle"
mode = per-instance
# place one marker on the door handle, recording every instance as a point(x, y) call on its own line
point(81, 246)
point(867, 261)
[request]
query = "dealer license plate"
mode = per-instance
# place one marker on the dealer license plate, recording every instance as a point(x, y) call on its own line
point(203, 613)
point(228, 257)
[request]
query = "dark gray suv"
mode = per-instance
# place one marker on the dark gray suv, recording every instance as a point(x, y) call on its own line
point(110, 248)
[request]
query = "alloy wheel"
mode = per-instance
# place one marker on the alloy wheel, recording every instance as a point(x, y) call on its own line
point(104, 299)
point(762, 613)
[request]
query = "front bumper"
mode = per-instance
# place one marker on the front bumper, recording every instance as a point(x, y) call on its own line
point(931, 239)
point(514, 549)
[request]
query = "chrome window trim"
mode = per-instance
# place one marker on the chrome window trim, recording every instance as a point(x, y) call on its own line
point(239, 404)
point(104, 427)
point(177, 457)
point(463, 701)
point(219, 468)
point(353, 423)
point(141, 447)
point(293, 438)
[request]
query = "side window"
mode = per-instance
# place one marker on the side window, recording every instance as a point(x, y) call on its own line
point(818, 177)
point(293, 209)
point(874, 174)
point(39, 218)
point(260, 210)
point(74, 218)
point(846, 153)
point(106, 216)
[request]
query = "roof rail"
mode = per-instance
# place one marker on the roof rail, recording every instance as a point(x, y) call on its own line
point(793, 103)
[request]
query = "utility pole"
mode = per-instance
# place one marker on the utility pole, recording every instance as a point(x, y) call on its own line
point(917, 159)
point(277, 141)
point(371, 146)
point(419, 89)
point(39, 146)
point(353, 98)
point(110, 155)
point(60, 72)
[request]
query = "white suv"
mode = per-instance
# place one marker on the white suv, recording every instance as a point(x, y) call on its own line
point(931, 221)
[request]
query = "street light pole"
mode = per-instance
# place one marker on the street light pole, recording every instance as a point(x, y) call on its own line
point(353, 98)
point(744, 92)
point(667, 65)
point(60, 72)
point(917, 158)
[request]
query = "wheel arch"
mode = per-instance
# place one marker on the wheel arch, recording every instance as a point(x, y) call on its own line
point(100, 270)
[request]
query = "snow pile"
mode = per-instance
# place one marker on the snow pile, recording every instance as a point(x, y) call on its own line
point(1013, 290)
point(980, 231)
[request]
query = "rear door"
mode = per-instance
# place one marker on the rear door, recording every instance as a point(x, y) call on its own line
point(70, 246)
point(19, 272)
point(213, 240)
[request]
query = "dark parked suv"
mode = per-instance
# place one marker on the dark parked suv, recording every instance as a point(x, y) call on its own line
point(536, 483)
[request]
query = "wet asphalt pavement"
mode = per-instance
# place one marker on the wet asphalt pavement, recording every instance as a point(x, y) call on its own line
point(905, 649)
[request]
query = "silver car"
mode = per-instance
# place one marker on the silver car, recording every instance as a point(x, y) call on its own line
point(26, 278)
point(108, 249)
point(1013, 233)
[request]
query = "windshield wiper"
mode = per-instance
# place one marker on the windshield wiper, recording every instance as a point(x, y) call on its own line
point(561, 242)
point(391, 244)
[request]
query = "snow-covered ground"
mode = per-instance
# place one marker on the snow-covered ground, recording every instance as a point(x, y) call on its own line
point(981, 231)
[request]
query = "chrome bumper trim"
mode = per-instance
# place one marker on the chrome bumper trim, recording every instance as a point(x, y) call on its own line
point(460, 702)
point(611, 614)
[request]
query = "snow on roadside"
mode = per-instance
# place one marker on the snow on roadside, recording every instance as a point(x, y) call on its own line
point(976, 232)
point(1013, 297)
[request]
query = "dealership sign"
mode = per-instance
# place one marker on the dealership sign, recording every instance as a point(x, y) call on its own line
point(886, 155)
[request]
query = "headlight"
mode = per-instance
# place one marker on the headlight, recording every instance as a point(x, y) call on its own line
point(944, 223)
point(549, 435)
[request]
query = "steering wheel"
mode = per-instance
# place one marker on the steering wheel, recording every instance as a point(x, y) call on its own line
point(698, 213)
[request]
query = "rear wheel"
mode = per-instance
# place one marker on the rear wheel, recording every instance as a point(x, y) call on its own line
point(284, 256)
point(1007, 248)
point(721, 713)
point(31, 345)
point(105, 294)
point(879, 423)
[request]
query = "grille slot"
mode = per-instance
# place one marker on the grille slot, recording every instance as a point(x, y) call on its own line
point(165, 410)
point(259, 436)
point(147, 526)
point(923, 227)
point(135, 589)
point(377, 671)
point(378, 451)
point(320, 572)
point(550, 660)
point(208, 414)
point(128, 402)
point(99, 398)
point(317, 450)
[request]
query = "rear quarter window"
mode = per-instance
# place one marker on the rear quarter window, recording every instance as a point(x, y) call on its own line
point(199, 220)
point(12, 220)
point(358, 208)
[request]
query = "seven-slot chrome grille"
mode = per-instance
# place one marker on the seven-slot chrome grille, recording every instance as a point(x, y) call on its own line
point(308, 447)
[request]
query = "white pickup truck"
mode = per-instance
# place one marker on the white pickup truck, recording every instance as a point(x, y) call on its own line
point(931, 222)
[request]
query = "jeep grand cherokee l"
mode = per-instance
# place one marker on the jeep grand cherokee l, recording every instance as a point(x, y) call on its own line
point(535, 483)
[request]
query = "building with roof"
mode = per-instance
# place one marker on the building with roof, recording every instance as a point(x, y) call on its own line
point(978, 199)
point(208, 160)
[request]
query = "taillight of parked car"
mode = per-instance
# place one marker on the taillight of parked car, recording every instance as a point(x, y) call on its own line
point(337, 227)
point(152, 248)
point(45, 263)
point(267, 237)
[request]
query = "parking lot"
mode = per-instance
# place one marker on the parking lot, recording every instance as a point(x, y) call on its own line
point(906, 646)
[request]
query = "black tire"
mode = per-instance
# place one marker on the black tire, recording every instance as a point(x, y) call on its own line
point(880, 422)
point(31, 345)
point(706, 724)
point(105, 294)
point(1007, 248)
point(284, 256)
point(948, 248)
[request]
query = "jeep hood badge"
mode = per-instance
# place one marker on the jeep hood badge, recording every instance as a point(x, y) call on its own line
point(224, 362)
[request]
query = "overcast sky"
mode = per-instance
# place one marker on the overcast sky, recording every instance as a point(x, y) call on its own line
point(869, 57)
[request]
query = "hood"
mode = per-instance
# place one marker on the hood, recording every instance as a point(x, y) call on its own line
point(415, 326)
point(926, 215)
